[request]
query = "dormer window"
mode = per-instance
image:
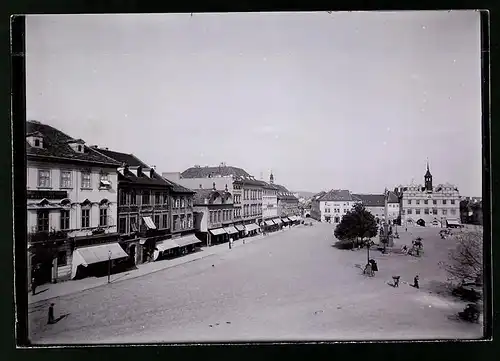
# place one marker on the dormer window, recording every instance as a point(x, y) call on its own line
point(77, 145)
point(35, 139)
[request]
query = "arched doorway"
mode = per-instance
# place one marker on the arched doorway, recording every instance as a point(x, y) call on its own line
point(132, 253)
point(337, 220)
point(421, 222)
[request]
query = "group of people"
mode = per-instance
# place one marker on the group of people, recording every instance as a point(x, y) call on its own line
point(415, 281)
point(370, 268)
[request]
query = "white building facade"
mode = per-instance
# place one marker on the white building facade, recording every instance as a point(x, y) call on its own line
point(331, 206)
point(71, 200)
point(429, 205)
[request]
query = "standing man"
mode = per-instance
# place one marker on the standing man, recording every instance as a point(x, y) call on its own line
point(230, 243)
point(415, 282)
point(51, 314)
point(33, 285)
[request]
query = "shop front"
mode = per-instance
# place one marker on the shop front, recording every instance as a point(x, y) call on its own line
point(252, 229)
point(187, 244)
point(218, 235)
point(96, 260)
point(241, 230)
point(232, 232)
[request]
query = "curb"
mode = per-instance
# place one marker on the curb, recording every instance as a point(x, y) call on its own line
point(142, 275)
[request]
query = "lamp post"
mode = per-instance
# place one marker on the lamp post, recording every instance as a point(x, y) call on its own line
point(367, 242)
point(109, 266)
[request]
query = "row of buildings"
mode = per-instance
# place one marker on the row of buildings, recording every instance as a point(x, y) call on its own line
point(427, 205)
point(89, 207)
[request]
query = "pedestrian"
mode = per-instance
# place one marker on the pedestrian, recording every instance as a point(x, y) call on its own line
point(33, 285)
point(406, 229)
point(374, 265)
point(415, 282)
point(230, 243)
point(396, 280)
point(51, 314)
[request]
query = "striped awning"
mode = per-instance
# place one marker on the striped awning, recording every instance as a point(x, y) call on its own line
point(149, 222)
point(217, 231)
point(240, 227)
point(251, 227)
point(269, 222)
point(230, 230)
point(277, 221)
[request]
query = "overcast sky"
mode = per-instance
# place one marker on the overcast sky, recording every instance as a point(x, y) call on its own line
point(356, 101)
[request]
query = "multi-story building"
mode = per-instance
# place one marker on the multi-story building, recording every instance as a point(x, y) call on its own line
point(269, 201)
point(71, 204)
point(245, 189)
point(429, 205)
point(214, 215)
point(471, 210)
point(144, 216)
point(288, 204)
point(332, 206)
point(384, 207)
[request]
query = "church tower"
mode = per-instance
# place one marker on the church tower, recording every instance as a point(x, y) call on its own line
point(271, 178)
point(428, 179)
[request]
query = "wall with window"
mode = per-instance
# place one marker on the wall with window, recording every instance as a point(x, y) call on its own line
point(269, 204)
point(251, 201)
point(91, 200)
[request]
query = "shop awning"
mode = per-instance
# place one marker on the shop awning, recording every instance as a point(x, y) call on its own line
point(166, 244)
point(230, 230)
point(277, 221)
point(95, 254)
point(217, 231)
point(293, 218)
point(186, 240)
point(285, 220)
point(149, 222)
point(240, 227)
point(269, 222)
point(251, 227)
point(452, 222)
point(288, 219)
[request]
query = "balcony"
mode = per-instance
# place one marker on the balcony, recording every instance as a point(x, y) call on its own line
point(45, 236)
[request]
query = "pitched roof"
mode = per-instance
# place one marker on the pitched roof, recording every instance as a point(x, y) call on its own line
point(210, 194)
point(393, 197)
point(205, 172)
point(177, 188)
point(56, 146)
point(284, 193)
point(337, 195)
point(317, 196)
point(371, 200)
point(128, 159)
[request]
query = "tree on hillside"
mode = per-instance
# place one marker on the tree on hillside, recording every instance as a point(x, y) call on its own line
point(357, 223)
point(465, 262)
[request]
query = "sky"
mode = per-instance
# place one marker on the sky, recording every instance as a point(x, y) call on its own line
point(354, 100)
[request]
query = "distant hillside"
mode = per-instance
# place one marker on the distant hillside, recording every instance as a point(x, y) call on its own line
point(305, 195)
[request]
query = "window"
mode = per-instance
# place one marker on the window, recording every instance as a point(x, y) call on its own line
point(103, 216)
point(42, 221)
point(409, 211)
point(133, 197)
point(122, 225)
point(157, 198)
point(122, 199)
point(409, 201)
point(190, 221)
point(165, 220)
point(37, 143)
point(79, 148)
point(145, 198)
point(434, 211)
point(104, 177)
point(211, 216)
point(434, 201)
point(426, 211)
point(452, 201)
point(65, 219)
point(444, 212)
point(418, 201)
point(85, 218)
point(86, 180)
point(417, 211)
point(218, 216)
point(65, 179)
point(44, 178)
point(62, 259)
point(183, 202)
point(426, 201)
point(165, 198)
point(157, 220)
point(133, 224)
point(444, 201)
point(453, 211)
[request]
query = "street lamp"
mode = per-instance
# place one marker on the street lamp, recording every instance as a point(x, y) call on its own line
point(368, 244)
point(109, 266)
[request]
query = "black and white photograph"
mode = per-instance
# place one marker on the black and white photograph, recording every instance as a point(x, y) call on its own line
point(254, 177)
